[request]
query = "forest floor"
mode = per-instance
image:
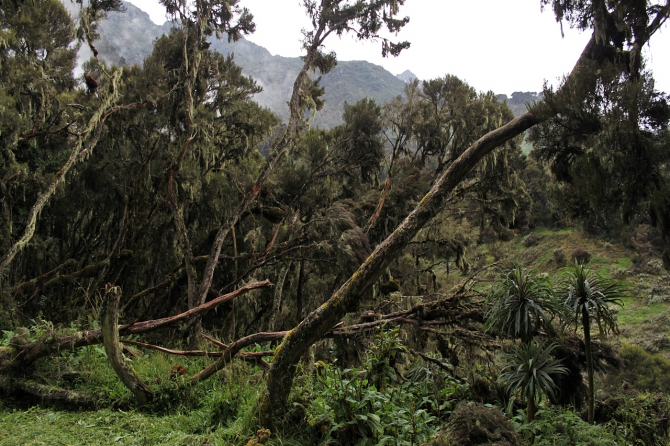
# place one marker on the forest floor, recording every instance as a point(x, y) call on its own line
point(221, 411)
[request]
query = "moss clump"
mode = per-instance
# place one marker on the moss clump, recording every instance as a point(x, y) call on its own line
point(474, 423)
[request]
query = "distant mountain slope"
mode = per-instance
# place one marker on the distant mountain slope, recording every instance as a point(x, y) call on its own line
point(128, 39)
point(406, 76)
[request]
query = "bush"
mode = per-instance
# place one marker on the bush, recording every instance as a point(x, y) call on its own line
point(552, 427)
point(580, 255)
point(559, 257)
point(531, 240)
point(474, 423)
point(642, 420)
point(642, 371)
point(369, 406)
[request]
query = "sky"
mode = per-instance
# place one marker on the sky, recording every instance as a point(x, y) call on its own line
point(498, 45)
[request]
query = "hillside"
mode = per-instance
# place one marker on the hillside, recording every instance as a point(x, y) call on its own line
point(128, 38)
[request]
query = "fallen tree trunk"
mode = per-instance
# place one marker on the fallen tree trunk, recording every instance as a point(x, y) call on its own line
point(319, 322)
point(49, 393)
point(21, 357)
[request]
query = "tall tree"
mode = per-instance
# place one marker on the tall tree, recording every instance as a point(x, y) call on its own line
point(44, 124)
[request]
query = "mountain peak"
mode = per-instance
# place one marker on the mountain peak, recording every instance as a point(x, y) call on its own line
point(406, 76)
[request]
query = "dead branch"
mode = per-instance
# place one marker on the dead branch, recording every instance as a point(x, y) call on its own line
point(33, 284)
point(233, 349)
point(219, 344)
point(51, 393)
point(11, 357)
point(451, 370)
point(243, 355)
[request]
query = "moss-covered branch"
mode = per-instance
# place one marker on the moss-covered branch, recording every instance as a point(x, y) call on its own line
point(21, 357)
point(110, 335)
point(83, 143)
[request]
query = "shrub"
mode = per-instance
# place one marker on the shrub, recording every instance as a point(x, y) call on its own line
point(580, 255)
point(642, 371)
point(369, 406)
point(553, 427)
point(474, 423)
point(643, 420)
point(531, 240)
point(559, 257)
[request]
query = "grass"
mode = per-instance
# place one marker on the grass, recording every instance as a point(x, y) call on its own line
point(219, 411)
point(45, 426)
point(635, 311)
point(608, 259)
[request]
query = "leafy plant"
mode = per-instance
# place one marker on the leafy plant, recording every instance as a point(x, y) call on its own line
point(348, 407)
point(553, 427)
point(642, 420)
point(521, 303)
point(529, 369)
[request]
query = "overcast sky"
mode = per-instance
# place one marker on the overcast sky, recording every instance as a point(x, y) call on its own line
point(499, 45)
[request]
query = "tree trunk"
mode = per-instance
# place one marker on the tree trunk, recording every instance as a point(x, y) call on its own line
point(319, 322)
point(530, 410)
point(586, 324)
point(21, 357)
point(279, 289)
point(110, 334)
point(298, 294)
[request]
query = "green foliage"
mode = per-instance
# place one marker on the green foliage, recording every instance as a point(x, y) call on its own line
point(641, 420)
point(529, 371)
point(605, 146)
point(642, 371)
point(590, 296)
point(521, 303)
point(587, 291)
point(555, 427)
point(369, 406)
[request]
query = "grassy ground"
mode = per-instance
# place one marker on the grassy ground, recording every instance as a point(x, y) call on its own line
point(217, 412)
point(43, 426)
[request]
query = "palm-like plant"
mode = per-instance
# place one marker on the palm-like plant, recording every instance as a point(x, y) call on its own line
point(521, 303)
point(529, 369)
point(589, 296)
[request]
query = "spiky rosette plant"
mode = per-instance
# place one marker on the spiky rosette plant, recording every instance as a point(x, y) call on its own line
point(589, 297)
point(529, 371)
point(522, 302)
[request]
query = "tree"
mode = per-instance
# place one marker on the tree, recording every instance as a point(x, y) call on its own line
point(589, 297)
point(529, 369)
point(45, 125)
point(521, 304)
point(606, 44)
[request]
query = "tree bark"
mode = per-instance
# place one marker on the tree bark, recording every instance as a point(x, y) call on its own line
point(298, 294)
point(277, 300)
point(530, 410)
